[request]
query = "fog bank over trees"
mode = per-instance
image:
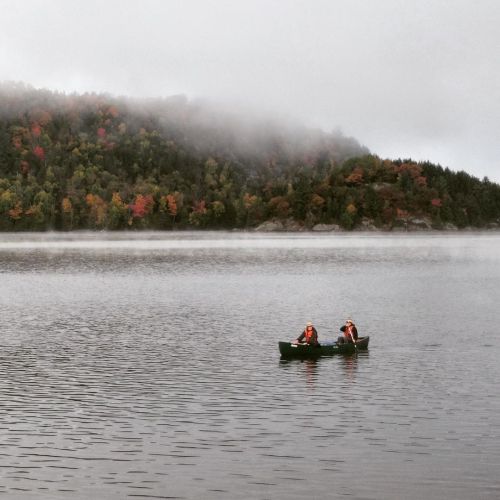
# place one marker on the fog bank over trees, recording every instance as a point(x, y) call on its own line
point(96, 161)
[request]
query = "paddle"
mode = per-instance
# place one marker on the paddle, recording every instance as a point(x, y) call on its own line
point(353, 341)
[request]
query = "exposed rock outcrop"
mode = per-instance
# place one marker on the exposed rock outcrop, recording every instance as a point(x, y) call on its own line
point(326, 227)
point(277, 225)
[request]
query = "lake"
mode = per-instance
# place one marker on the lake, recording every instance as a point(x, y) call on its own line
point(146, 365)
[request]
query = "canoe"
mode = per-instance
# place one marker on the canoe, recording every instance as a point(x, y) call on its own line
point(289, 350)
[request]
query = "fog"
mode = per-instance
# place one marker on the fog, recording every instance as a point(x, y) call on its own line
point(406, 79)
point(471, 245)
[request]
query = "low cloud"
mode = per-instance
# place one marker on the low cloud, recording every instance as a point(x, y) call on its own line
point(407, 79)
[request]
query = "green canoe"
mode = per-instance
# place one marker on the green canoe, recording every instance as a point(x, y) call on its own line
point(289, 350)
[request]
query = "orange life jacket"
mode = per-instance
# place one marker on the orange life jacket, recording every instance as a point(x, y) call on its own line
point(309, 334)
point(349, 333)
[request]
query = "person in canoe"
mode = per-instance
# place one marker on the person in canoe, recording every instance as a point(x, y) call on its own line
point(309, 335)
point(350, 333)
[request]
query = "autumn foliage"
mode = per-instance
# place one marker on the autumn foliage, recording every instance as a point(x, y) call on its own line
point(97, 210)
point(39, 152)
point(142, 206)
point(171, 204)
point(94, 162)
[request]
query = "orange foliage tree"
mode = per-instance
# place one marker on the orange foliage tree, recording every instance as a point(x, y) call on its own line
point(142, 206)
point(171, 205)
point(67, 213)
point(279, 206)
point(16, 212)
point(356, 176)
point(98, 210)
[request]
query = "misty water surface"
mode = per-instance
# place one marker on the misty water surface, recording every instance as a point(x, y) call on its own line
point(146, 366)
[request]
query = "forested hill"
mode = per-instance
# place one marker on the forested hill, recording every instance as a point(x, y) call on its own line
point(98, 162)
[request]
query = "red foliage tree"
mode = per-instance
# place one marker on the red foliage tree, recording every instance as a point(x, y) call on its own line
point(199, 207)
point(36, 130)
point(39, 152)
point(142, 206)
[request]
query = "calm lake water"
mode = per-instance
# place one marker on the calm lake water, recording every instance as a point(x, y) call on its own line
point(146, 365)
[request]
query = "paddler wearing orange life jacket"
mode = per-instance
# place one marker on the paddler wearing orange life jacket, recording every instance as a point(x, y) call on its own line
point(309, 335)
point(350, 332)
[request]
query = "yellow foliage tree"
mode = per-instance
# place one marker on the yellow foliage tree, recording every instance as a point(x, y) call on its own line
point(98, 209)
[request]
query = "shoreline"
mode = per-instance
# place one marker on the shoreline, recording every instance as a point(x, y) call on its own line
point(250, 232)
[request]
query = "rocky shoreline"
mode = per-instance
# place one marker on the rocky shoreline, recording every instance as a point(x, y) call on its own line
point(411, 224)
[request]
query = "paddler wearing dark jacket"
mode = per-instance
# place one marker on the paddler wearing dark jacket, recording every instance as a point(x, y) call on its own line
point(350, 333)
point(309, 335)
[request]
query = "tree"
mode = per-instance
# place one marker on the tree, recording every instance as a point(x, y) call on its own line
point(171, 205)
point(198, 215)
point(348, 217)
point(142, 206)
point(149, 166)
point(97, 211)
point(356, 177)
point(279, 207)
point(67, 213)
point(117, 212)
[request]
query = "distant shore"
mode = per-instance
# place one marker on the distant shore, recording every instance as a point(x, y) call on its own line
point(423, 224)
point(266, 228)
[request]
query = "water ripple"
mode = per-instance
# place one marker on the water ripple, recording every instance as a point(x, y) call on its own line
point(155, 373)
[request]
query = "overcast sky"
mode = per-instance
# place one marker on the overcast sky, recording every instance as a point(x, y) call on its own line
point(407, 78)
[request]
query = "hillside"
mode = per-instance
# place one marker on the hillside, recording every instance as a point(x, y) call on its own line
point(98, 162)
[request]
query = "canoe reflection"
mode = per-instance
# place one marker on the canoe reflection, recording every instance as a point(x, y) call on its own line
point(308, 369)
